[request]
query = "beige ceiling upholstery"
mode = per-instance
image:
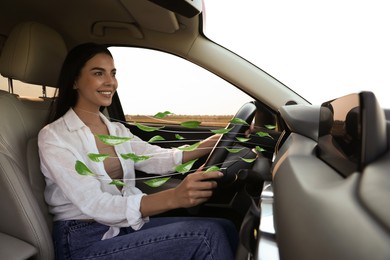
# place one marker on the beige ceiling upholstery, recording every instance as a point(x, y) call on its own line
point(88, 20)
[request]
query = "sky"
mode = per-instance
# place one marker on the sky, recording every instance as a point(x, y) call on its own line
point(341, 46)
point(151, 81)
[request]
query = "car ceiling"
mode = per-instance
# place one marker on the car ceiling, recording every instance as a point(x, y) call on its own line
point(111, 22)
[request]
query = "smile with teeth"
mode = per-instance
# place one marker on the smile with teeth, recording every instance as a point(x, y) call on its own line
point(105, 92)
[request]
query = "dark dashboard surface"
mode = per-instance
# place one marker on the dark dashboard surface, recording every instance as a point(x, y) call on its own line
point(331, 180)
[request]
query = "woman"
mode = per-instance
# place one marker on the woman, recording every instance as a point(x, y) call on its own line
point(95, 219)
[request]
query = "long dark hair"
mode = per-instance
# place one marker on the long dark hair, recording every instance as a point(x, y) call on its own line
point(71, 68)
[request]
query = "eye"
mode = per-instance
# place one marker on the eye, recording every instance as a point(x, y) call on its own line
point(98, 73)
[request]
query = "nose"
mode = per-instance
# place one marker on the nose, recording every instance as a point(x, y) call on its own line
point(111, 81)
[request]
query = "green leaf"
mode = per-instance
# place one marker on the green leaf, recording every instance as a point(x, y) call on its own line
point(259, 149)
point(264, 134)
point(185, 167)
point(212, 169)
point(148, 128)
point(238, 121)
point(117, 183)
point(179, 137)
point(82, 169)
point(191, 124)
point(222, 130)
point(112, 140)
point(156, 182)
point(271, 127)
point(248, 160)
point(162, 114)
point(234, 150)
point(156, 138)
point(134, 157)
point(243, 139)
point(96, 157)
point(190, 147)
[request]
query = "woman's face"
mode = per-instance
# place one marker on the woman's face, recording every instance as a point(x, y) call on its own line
point(96, 84)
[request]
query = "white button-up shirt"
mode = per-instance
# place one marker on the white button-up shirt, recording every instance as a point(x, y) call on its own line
point(74, 196)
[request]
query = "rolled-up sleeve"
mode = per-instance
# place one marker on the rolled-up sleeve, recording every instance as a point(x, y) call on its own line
point(133, 212)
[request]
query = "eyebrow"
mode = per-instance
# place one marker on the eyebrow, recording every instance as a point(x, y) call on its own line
point(101, 69)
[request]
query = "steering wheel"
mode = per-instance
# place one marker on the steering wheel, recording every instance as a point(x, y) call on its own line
point(219, 153)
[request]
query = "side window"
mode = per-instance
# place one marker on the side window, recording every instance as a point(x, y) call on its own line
point(24, 89)
point(3, 83)
point(151, 82)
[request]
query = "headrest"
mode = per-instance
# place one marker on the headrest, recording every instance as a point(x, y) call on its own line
point(33, 53)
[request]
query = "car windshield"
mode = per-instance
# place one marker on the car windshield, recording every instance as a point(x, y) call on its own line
point(319, 49)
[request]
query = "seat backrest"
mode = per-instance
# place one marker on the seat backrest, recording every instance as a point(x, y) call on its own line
point(31, 53)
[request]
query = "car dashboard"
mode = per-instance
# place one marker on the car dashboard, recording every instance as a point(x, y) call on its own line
point(328, 198)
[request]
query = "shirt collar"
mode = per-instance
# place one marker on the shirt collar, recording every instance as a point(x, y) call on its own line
point(74, 123)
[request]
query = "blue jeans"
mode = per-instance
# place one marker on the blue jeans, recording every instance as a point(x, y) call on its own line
point(161, 238)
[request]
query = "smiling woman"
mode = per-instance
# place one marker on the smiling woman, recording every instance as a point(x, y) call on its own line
point(99, 204)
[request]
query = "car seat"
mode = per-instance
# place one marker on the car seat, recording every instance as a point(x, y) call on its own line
point(33, 53)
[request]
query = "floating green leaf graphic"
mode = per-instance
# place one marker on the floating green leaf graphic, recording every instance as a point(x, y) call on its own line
point(234, 150)
point(243, 139)
point(270, 127)
point(82, 169)
point(156, 182)
point(190, 124)
point(222, 131)
point(162, 114)
point(156, 138)
point(185, 167)
point(148, 128)
point(179, 137)
point(248, 160)
point(259, 149)
point(96, 157)
point(134, 157)
point(190, 147)
point(238, 121)
point(212, 169)
point(264, 134)
point(117, 183)
point(112, 140)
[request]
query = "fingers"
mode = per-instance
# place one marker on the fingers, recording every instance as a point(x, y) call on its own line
point(196, 188)
point(201, 194)
point(203, 181)
point(208, 175)
point(198, 196)
point(249, 130)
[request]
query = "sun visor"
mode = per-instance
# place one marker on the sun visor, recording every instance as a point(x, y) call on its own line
point(152, 16)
